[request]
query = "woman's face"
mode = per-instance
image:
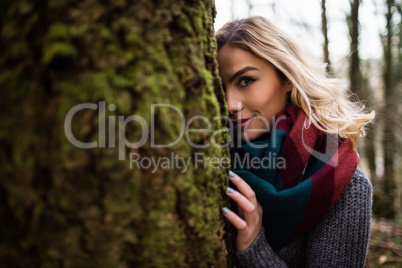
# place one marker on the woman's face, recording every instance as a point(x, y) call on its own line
point(254, 91)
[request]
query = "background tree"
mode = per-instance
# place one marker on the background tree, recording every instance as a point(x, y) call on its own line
point(389, 139)
point(354, 69)
point(324, 28)
point(63, 206)
point(360, 86)
point(249, 6)
point(398, 89)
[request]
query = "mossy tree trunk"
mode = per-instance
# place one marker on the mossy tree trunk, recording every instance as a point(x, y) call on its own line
point(65, 206)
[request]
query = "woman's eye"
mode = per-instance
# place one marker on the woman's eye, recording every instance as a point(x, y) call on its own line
point(246, 81)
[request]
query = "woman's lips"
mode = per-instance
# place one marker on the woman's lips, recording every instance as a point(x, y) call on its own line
point(242, 123)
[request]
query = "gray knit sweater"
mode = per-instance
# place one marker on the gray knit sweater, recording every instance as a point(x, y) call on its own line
point(339, 239)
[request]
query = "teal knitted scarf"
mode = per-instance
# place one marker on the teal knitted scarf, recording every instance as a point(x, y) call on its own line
point(297, 173)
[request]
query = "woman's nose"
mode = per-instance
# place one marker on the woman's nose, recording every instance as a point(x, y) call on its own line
point(233, 102)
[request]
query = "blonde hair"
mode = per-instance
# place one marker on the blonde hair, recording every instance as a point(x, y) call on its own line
point(321, 98)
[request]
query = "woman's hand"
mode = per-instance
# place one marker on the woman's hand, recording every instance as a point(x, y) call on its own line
point(248, 222)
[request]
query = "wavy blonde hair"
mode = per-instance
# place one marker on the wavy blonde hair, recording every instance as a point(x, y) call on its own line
point(323, 99)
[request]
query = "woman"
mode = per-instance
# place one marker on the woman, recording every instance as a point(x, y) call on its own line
point(301, 200)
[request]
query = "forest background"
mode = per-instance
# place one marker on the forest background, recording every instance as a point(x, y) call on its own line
point(361, 43)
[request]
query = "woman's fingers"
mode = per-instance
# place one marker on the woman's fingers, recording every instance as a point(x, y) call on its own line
point(238, 222)
point(249, 218)
point(241, 201)
point(243, 187)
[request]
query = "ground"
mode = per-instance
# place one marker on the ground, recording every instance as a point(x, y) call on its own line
point(385, 244)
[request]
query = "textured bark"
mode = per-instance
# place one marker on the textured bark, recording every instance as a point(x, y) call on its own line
point(62, 206)
point(324, 28)
point(354, 69)
point(389, 143)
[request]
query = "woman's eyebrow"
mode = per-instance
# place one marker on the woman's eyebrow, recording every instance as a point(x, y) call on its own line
point(241, 71)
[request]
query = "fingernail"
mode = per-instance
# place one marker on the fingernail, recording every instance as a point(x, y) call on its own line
point(231, 174)
point(229, 190)
point(225, 210)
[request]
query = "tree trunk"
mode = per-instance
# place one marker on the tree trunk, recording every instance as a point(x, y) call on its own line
point(369, 150)
point(63, 205)
point(389, 124)
point(398, 91)
point(354, 72)
point(249, 7)
point(324, 28)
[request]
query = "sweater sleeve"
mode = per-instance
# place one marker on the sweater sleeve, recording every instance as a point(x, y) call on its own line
point(340, 239)
point(259, 254)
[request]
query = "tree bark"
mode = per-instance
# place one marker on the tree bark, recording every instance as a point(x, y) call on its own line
point(64, 206)
point(354, 70)
point(389, 124)
point(324, 28)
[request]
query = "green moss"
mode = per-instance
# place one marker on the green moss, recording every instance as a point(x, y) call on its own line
point(59, 49)
point(58, 31)
point(86, 208)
